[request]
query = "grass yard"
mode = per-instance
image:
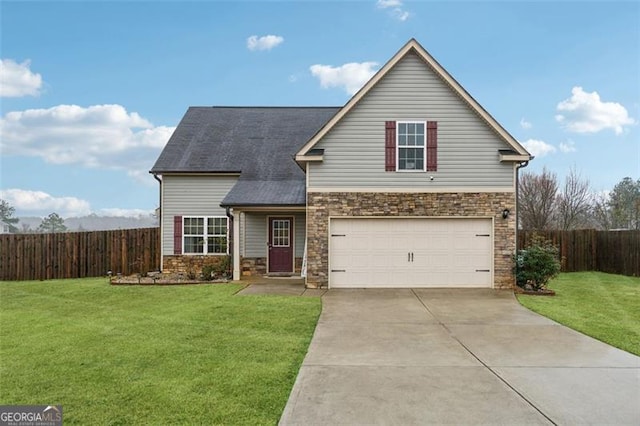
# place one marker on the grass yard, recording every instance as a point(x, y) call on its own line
point(604, 306)
point(192, 354)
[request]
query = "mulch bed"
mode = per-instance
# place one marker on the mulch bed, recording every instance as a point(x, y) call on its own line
point(541, 292)
point(160, 279)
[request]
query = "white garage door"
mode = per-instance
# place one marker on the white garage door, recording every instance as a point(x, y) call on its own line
point(408, 252)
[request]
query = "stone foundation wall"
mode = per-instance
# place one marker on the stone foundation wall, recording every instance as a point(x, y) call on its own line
point(321, 206)
point(257, 266)
point(188, 264)
point(252, 266)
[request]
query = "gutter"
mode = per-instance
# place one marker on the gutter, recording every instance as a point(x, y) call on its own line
point(155, 176)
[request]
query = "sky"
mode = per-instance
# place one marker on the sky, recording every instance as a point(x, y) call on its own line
point(90, 92)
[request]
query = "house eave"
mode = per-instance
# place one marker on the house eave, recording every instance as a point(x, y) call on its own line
point(514, 158)
point(265, 208)
point(309, 158)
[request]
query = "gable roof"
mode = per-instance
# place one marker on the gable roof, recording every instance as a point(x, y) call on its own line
point(259, 143)
point(413, 46)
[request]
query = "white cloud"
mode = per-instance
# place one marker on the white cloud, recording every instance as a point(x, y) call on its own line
point(568, 146)
point(525, 124)
point(267, 42)
point(396, 9)
point(351, 76)
point(400, 14)
point(585, 113)
point(383, 4)
point(538, 148)
point(40, 203)
point(104, 136)
point(17, 80)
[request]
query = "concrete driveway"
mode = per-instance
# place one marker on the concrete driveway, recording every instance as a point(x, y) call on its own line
point(456, 357)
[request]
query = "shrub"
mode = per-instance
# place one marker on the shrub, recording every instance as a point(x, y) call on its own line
point(536, 264)
point(217, 271)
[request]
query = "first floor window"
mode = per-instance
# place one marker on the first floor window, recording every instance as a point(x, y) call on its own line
point(411, 145)
point(205, 235)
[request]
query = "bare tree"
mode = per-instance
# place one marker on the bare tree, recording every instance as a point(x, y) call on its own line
point(601, 211)
point(536, 199)
point(574, 202)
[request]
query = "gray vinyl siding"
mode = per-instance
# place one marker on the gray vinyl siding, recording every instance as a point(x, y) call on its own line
point(354, 153)
point(255, 235)
point(191, 196)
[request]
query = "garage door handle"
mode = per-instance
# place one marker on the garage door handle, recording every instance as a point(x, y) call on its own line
point(338, 270)
point(483, 235)
point(412, 256)
point(483, 270)
point(338, 235)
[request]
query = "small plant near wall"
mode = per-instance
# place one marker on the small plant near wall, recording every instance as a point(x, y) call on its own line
point(536, 264)
point(218, 271)
point(191, 271)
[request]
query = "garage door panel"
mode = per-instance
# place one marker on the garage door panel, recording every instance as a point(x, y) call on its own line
point(376, 252)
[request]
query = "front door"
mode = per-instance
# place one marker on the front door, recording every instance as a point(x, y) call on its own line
point(280, 244)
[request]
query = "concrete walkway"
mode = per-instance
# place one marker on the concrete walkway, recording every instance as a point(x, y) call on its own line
point(277, 286)
point(411, 357)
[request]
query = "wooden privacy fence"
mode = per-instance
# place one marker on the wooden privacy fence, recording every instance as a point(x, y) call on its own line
point(616, 252)
point(79, 254)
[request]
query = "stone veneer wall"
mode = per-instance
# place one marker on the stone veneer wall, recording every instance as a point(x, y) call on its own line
point(252, 266)
point(321, 206)
point(256, 266)
point(186, 263)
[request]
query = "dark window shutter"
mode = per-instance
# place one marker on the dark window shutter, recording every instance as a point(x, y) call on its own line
point(390, 146)
point(177, 235)
point(432, 146)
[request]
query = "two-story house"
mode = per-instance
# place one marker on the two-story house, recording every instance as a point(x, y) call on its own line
point(410, 184)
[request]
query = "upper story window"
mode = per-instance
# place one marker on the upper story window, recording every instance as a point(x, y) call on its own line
point(205, 235)
point(411, 145)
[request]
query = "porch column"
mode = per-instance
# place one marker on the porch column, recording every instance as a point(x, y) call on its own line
point(236, 245)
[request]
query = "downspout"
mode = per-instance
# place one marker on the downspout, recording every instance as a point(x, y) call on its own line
point(231, 242)
point(521, 165)
point(155, 176)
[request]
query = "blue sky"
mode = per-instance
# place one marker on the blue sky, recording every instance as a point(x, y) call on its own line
point(91, 91)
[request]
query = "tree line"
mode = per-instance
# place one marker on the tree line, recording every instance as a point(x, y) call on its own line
point(51, 223)
point(546, 204)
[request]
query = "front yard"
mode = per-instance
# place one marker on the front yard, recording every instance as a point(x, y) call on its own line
point(192, 354)
point(604, 306)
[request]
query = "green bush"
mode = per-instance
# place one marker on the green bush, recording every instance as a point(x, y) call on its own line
point(217, 271)
point(536, 264)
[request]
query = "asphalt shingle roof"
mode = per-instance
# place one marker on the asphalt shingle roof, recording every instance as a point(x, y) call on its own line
point(258, 142)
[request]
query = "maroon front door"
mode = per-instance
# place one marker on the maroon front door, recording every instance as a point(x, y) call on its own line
point(280, 244)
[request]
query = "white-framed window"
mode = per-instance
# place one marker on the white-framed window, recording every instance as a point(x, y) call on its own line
point(280, 233)
point(411, 144)
point(205, 235)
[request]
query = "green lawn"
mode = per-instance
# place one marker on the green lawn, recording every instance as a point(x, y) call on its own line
point(192, 354)
point(600, 305)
